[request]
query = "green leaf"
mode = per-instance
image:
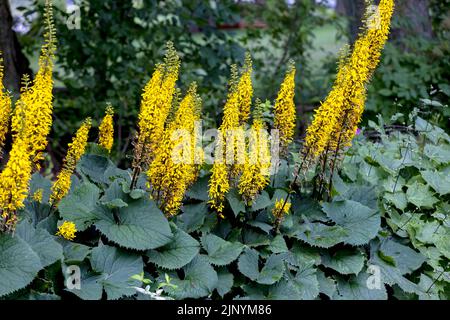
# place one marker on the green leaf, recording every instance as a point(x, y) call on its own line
point(356, 288)
point(220, 252)
point(278, 245)
point(142, 226)
point(95, 166)
point(194, 216)
point(199, 191)
point(345, 261)
point(326, 285)
point(236, 204)
point(361, 223)
point(19, 264)
point(306, 283)
point(75, 252)
point(261, 202)
point(439, 181)
point(273, 269)
point(225, 281)
point(116, 268)
point(439, 153)
point(248, 264)
point(398, 199)
point(442, 242)
point(79, 206)
point(420, 195)
point(200, 279)
point(39, 182)
point(177, 253)
point(321, 235)
point(41, 242)
point(91, 287)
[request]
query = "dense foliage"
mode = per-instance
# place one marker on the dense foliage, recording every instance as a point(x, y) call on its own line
point(349, 214)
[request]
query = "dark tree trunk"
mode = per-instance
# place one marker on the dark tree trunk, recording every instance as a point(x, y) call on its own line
point(16, 64)
point(354, 11)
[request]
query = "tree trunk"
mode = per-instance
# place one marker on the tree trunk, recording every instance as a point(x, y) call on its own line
point(16, 64)
point(354, 11)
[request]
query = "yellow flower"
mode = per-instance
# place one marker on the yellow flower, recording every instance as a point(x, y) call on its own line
point(230, 144)
point(67, 230)
point(256, 170)
point(336, 120)
point(76, 149)
point(174, 167)
point(156, 105)
point(281, 208)
point(37, 195)
point(5, 109)
point(284, 109)
point(106, 129)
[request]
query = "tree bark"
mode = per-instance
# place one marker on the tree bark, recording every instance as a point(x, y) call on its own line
point(16, 64)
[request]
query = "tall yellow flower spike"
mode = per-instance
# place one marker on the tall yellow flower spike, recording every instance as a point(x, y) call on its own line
point(5, 109)
point(174, 168)
point(230, 144)
point(336, 120)
point(30, 124)
point(284, 109)
point(157, 101)
point(37, 98)
point(106, 129)
point(256, 170)
point(76, 149)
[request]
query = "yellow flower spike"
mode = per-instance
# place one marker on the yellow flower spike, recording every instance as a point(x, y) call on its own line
point(67, 230)
point(5, 108)
point(245, 90)
point(284, 109)
point(336, 120)
point(76, 149)
point(256, 170)
point(157, 101)
point(174, 169)
point(106, 129)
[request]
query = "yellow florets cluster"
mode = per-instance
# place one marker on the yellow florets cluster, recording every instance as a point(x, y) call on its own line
point(281, 208)
point(284, 109)
point(230, 143)
point(76, 149)
point(336, 120)
point(30, 124)
point(106, 129)
point(256, 169)
point(175, 166)
point(5, 109)
point(67, 230)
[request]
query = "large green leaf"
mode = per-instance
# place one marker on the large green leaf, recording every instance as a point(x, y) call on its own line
point(116, 268)
point(420, 195)
point(306, 283)
point(248, 264)
point(225, 281)
point(236, 204)
point(41, 242)
point(199, 190)
point(439, 181)
point(262, 201)
point(80, 206)
point(356, 288)
point(361, 223)
point(220, 252)
point(75, 252)
point(95, 166)
point(321, 235)
point(272, 270)
point(200, 279)
point(177, 253)
point(19, 264)
point(344, 261)
point(142, 226)
point(194, 216)
point(91, 287)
